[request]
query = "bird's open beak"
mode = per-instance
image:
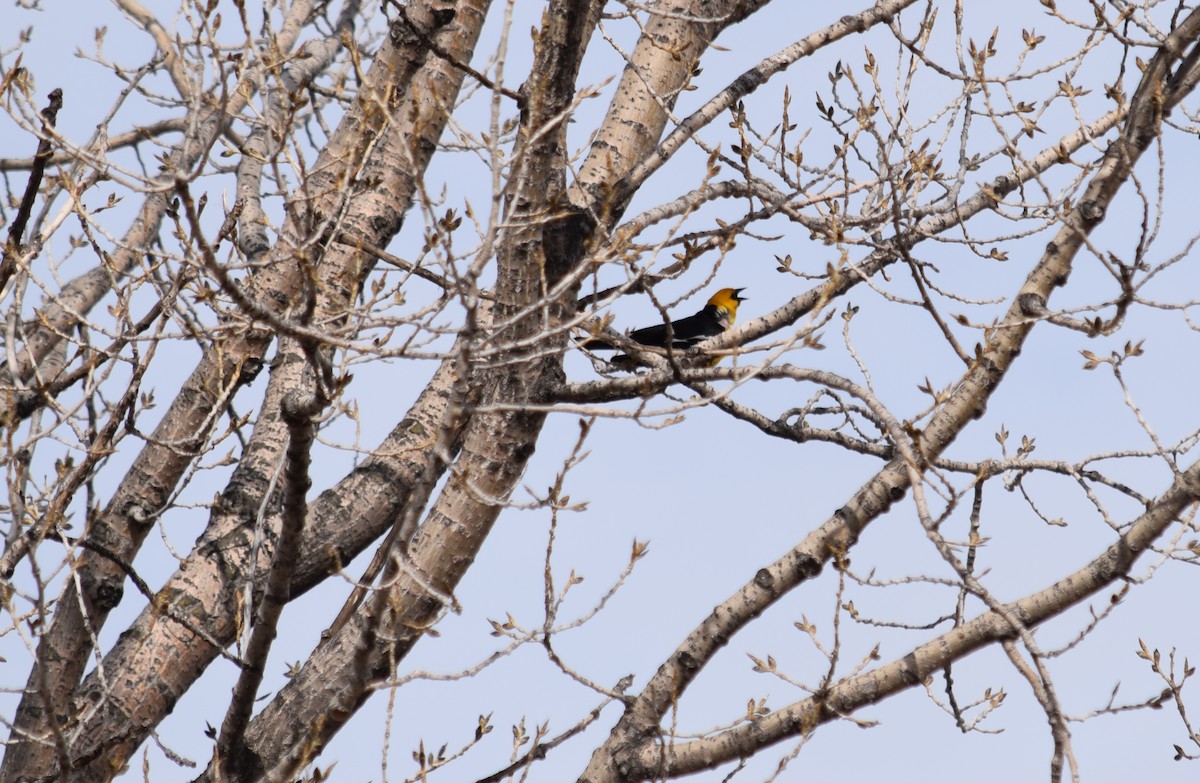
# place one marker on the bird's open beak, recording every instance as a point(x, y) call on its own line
point(737, 294)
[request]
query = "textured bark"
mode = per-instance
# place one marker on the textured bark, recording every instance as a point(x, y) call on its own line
point(677, 34)
point(342, 521)
point(340, 675)
point(65, 649)
point(181, 434)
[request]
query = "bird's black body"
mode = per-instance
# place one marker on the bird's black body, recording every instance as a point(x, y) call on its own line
point(716, 316)
point(685, 332)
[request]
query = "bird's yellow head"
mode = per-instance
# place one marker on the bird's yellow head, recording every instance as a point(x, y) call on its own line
point(727, 299)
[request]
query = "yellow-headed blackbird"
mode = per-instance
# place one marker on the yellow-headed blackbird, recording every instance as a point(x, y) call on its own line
point(717, 316)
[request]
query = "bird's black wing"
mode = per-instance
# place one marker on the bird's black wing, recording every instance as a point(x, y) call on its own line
point(685, 332)
point(651, 335)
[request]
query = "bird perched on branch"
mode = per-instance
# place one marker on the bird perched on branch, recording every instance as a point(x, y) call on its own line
point(717, 316)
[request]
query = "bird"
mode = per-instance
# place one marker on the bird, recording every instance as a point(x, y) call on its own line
point(717, 315)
